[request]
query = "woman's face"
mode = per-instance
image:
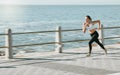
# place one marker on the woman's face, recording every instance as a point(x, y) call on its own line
point(87, 19)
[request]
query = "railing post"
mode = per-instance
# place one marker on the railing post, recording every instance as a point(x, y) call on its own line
point(8, 44)
point(102, 34)
point(58, 40)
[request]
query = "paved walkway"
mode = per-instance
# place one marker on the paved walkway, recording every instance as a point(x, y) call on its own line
point(70, 62)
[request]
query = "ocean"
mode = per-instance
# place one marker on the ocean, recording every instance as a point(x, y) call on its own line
point(31, 18)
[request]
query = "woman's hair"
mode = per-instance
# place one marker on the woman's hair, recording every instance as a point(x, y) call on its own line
point(89, 17)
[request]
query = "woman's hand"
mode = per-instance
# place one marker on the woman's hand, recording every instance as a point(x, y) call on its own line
point(99, 28)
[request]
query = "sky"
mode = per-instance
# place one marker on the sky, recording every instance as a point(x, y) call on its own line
point(59, 2)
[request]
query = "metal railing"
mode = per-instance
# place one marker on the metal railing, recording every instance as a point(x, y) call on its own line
point(58, 39)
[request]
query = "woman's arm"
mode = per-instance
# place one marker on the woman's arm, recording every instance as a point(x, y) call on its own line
point(99, 23)
point(84, 28)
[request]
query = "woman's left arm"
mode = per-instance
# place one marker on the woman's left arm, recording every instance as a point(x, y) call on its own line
point(99, 23)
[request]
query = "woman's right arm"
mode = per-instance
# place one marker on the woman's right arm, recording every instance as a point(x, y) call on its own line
point(84, 28)
point(99, 23)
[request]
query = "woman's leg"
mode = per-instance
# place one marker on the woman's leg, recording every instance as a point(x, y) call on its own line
point(101, 45)
point(98, 42)
point(90, 44)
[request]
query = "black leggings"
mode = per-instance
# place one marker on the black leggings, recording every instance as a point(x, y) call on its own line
point(95, 36)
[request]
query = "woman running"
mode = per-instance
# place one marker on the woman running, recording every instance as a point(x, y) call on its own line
point(89, 24)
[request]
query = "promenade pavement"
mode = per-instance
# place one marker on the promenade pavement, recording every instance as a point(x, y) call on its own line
point(70, 62)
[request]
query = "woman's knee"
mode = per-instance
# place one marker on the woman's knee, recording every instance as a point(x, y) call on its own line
point(89, 43)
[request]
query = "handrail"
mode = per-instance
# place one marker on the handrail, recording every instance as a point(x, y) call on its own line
point(64, 30)
point(49, 43)
point(34, 44)
point(71, 30)
point(58, 41)
point(111, 37)
point(35, 32)
point(46, 31)
point(49, 31)
point(110, 27)
point(75, 41)
point(3, 34)
point(3, 47)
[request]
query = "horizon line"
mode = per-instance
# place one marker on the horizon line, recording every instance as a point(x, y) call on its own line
point(57, 4)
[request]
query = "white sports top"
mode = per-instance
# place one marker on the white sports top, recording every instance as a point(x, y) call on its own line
point(91, 26)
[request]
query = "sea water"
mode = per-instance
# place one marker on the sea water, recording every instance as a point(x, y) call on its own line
point(32, 18)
